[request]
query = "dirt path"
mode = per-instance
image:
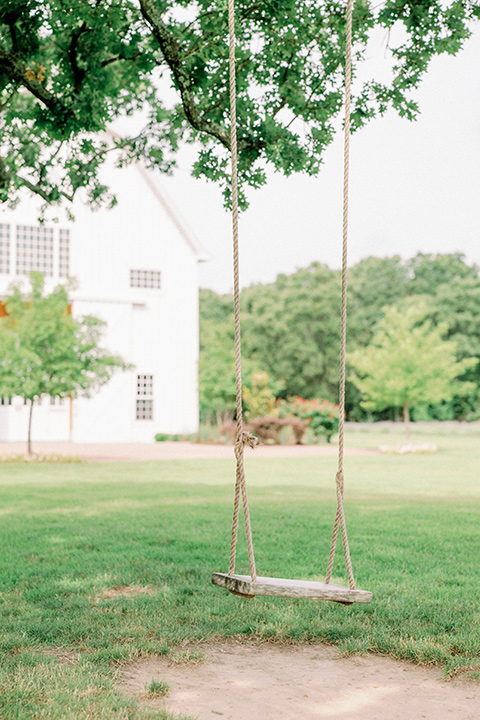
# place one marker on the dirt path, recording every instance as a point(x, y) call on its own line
point(240, 681)
point(131, 452)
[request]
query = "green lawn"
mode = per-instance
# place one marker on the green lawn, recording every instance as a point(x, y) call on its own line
point(68, 533)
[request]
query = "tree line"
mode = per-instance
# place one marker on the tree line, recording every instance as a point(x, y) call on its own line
point(425, 310)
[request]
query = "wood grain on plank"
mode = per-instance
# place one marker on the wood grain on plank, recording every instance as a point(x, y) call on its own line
point(278, 587)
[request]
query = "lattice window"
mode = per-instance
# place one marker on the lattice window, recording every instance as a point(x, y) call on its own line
point(63, 252)
point(4, 249)
point(144, 403)
point(151, 279)
point(34, 250)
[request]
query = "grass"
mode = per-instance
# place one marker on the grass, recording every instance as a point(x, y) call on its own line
point(34, 458)
point(157, 688)
point(102, 564)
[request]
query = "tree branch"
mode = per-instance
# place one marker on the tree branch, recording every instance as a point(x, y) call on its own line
point(18, 72)
point(78, 73)
point(174, 57)
point(171, 50)
point(116, 58)
point(13, 34)
point(35, 188)
point(10, 96)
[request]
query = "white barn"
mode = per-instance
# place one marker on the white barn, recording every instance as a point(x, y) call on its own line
point(137, 269)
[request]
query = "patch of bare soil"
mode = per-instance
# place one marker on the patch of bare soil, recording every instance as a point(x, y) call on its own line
point(239, 681)
point(127, 591)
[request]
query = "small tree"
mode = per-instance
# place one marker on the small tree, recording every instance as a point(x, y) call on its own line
point(408, 363)
point(45, 351)
point(258, 398)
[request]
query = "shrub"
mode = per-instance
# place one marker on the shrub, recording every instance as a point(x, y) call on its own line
point(267, 429)
point(322, 417)
point(161, 437)
point(228, 431)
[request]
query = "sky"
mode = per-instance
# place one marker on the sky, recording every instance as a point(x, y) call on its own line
point(414, 187)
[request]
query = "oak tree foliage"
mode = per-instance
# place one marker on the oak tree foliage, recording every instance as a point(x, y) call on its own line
point(68, 70)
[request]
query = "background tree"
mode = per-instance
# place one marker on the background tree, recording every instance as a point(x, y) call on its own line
point(217, 362)
point(66, 74)
point(45, 351)
point(292, 330)
point(291, 327)
point(430, 274)
point(376, 283)
point(451, 290)
point(408, 363)
point(217, 358)
point(216, 373)
point(457, 304)
point(373, 284)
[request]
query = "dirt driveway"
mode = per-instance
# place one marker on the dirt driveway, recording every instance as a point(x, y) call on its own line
point(111, 452)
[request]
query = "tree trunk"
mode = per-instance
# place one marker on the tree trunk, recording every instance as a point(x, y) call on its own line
point(29, 442)
point(70, 420)
point(406, 420)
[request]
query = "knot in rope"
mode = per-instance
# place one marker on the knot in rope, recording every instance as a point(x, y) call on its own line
point(250, 440)
point(244, 439)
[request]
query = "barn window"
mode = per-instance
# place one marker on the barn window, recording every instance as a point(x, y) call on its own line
point(63, 252)
point(144, 404)
point(34, 250)
point(150, 279)
point(4, 249)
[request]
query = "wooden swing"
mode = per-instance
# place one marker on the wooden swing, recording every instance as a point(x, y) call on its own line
point(250, 586)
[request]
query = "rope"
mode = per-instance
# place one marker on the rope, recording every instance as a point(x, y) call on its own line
point(242, 437)
point(340, 516)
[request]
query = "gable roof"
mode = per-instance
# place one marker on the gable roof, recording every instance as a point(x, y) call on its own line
point(172, 213)
point(167, 205)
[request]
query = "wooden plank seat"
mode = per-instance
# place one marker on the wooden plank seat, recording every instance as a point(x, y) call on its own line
point(278, 587)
